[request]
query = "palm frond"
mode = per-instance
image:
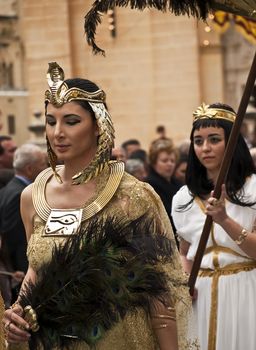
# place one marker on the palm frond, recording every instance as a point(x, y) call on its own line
point(197, 8)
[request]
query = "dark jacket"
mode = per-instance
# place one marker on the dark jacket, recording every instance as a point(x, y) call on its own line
point(165, 189)
point(11, 225)
point(5, 176)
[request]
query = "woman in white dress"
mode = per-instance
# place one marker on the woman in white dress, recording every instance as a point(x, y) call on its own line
point(225, 301)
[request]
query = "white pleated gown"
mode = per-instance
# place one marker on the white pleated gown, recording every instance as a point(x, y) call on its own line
point(233, 297)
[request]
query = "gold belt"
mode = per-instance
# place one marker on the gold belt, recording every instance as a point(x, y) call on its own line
point(215, 274)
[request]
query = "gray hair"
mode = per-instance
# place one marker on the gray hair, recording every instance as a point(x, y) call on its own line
point(25, 154)
point(133, 165)
point(253, 152)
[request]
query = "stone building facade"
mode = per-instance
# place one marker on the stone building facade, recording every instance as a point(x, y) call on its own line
point(158, 68)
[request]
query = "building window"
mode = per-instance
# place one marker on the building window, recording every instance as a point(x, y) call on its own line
point(6, 76)
point(11, 124)
point(10, 76)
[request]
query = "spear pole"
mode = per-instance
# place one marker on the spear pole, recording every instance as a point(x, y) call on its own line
point(223, 172)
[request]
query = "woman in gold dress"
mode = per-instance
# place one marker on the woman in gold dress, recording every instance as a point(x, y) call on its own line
point(80, 135)
point(2, 338)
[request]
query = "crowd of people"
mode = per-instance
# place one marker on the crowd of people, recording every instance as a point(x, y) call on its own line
point(19, 168)
point(111, 233)
point(163, 165)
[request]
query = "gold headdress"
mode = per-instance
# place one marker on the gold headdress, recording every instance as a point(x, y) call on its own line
point(59, 94)
point(206, 112)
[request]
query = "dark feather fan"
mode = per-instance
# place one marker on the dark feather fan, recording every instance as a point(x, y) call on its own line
point(197, 8)
point(94, 279)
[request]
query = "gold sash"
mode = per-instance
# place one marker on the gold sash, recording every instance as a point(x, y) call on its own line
point(216, 274)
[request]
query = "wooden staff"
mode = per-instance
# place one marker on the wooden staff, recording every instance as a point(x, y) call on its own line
point(223, 172)
point(6, 273)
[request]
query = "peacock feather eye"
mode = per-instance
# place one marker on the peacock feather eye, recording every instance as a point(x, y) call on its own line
point(59, 283)
point(131, 275)
point(108, 272)
point(95, 333)
point(116, 289)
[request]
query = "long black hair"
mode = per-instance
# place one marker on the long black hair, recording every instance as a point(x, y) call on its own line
point(240, 168)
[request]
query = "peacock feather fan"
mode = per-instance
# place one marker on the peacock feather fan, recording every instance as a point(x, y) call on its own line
point(197, 8)
point(94, 278)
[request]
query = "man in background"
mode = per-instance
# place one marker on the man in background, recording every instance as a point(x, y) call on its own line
point(118, 153)
point(130, 146)
point(7, 149)
point(29, 160)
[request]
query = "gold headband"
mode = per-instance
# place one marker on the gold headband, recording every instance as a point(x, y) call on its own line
point(205, 112)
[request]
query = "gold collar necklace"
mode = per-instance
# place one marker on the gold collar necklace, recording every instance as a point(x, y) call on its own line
point(44, 211)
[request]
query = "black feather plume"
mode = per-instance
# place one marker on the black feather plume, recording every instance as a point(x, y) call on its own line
point(196, 8)
point(94, 279)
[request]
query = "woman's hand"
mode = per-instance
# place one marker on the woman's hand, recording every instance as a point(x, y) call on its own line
point(15, 327)
point(216, 207)
point(194, 295)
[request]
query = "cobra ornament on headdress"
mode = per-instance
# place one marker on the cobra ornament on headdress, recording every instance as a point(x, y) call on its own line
point(206, 112)
point(58, 94)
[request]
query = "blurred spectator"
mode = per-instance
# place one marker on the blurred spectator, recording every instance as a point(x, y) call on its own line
point(130, 146)
point(7, 149)
point(118, 154)
point(161, 133)
point(245, 133)
point(140, 154)
point(162, 162)
point(8, 279)
point(253, 154)
point(254, 135)
point(29, 160)
point(180, 169)
point(136, 168)
point(5, 176)
point(183, 147)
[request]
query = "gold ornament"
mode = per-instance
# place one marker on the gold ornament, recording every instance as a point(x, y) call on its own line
point(63, 222)
point(88, 211)
point(206, 112)
point(30, 317)
point(52, 158)
point(59, 94)
point(7, 325)
point(239, 7)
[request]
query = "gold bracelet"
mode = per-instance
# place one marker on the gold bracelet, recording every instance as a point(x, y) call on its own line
point(242, 236)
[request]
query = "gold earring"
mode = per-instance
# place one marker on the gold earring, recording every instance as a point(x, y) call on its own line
point(53, 161)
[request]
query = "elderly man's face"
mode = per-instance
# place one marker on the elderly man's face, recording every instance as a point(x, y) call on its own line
point(6, 158)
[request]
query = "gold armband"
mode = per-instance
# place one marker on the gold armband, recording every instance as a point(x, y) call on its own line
point(244, 233)
point(161, 320)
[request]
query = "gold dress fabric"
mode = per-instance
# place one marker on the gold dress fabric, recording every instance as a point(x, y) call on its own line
point(131, 200)
point(2, 340)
